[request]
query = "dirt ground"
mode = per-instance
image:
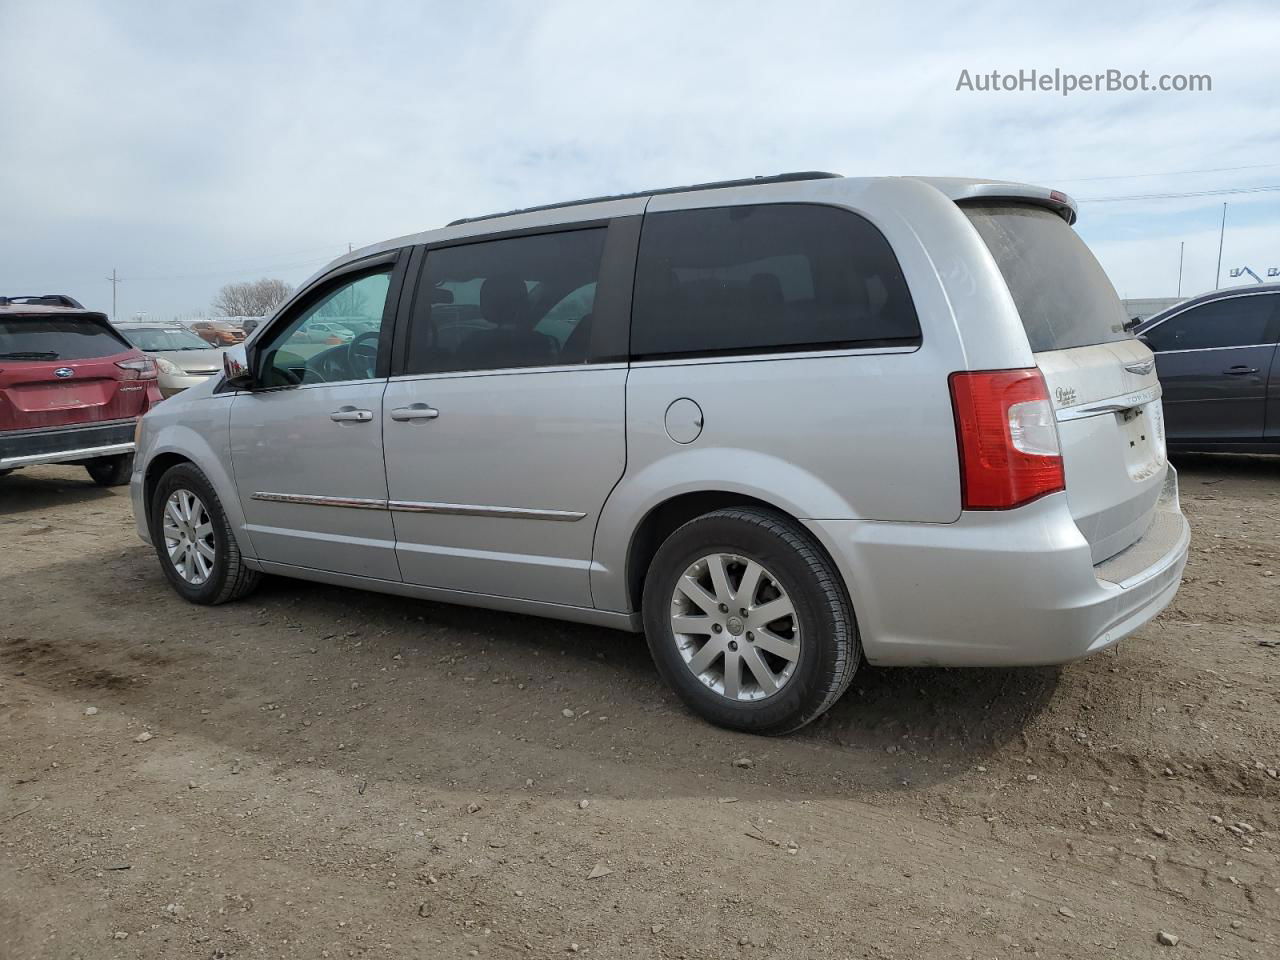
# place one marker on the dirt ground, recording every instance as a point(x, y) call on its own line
point(330, 773)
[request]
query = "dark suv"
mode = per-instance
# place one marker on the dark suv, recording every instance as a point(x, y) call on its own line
point(1215, 355)
point(71, 388)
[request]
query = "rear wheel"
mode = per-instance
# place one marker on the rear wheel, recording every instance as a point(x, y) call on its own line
point(748, 621)
point(111, 471)
point(194, 541)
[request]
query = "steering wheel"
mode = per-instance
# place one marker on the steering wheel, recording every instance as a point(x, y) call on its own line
point(362, 355)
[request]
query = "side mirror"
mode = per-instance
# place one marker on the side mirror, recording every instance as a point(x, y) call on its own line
point(236, 369)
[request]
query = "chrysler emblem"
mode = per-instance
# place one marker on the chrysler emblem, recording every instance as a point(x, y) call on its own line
point(1141, 368)
point(64, 372)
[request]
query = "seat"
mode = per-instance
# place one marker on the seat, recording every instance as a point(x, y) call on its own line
point(512, 341)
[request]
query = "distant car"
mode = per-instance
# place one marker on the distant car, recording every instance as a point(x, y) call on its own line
point(183, 358)
point(71, 388)
point(217, 332)
point(326, 331)
point(1215, 356)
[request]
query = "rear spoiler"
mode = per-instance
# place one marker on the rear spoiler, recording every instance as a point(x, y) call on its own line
point(960, 190)
point(42, 300)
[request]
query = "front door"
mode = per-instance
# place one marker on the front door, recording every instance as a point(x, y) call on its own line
point(505, 433)
point(307, 445)
point(1214, 361)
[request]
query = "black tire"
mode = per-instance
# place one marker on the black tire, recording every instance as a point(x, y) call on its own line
point(829, 649)
point(229, 579)
point(111, 471)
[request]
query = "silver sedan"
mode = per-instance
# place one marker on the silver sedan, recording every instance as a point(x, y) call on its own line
point(183, 358)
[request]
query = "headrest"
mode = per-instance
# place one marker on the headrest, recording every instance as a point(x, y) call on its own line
point(504, 300)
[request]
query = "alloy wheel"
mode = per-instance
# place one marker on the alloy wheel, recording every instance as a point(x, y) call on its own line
point(735, 627)
point(188, 536)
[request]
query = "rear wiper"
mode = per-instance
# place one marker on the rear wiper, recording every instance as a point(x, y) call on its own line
point(28, 355)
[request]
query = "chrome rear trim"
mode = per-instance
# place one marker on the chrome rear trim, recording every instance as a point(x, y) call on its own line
point(1115, 405)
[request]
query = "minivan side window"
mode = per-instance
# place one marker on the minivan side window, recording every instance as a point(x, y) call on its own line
point(515, 302)
point(763, 278)
point(1234, 322)
point(335, 338)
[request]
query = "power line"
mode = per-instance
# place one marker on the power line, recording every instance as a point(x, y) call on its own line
point(229, 270)
point(1172, 196)
point(1172, 173)
point(190, 276)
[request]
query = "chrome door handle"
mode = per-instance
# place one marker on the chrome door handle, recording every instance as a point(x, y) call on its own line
point(415, 411)
point(351, 415)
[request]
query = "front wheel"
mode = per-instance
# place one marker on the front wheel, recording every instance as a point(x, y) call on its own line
point(111, 471)
point(748, 621)
point(194, 541)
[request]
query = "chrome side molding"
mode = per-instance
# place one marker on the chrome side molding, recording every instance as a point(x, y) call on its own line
point(356, 503)
point(418, 506)
point(475, 510)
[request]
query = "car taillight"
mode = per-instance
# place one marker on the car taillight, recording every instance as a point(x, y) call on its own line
point(144, 368)
point(1007, 437)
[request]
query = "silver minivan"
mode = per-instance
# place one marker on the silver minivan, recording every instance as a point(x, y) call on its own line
point(781, 425)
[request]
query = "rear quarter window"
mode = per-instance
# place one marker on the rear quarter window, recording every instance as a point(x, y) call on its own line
point(1061, 291)
point(58, 338)
point(769, 277)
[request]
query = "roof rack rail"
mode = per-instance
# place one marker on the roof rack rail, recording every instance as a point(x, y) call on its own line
point(715, 185)
point(43, 300)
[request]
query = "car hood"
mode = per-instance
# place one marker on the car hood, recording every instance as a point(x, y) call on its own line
point(210, 359)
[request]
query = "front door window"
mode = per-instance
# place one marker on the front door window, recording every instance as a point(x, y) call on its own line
point(336, 339)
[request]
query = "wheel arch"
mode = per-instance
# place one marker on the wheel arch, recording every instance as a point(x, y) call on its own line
point(177, 443)
point(652, 500)
point(156, 468)
point(668, 516)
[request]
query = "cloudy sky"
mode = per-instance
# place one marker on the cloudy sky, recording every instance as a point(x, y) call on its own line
point(189, 144)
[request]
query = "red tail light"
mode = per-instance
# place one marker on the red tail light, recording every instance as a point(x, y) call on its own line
point(144, 368)
point(1007, 437)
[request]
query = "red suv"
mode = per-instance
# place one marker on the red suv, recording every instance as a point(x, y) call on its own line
point(71, 388)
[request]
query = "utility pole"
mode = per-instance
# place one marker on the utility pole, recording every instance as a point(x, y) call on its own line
point(1222, 232)
point(1182, 248)
point(113, 280)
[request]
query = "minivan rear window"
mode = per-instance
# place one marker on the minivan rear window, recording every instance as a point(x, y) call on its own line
point(57, 338)
point(768, 277)
point(1061, 292)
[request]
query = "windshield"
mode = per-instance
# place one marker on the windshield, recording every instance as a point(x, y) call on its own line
point(1061, 292)
point(158, 339)
point(57, 338)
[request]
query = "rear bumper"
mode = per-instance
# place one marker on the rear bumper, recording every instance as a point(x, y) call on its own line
point(26, 448)
point(1003, 589)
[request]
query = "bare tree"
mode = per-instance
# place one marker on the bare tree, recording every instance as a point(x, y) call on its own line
point(253, 298)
